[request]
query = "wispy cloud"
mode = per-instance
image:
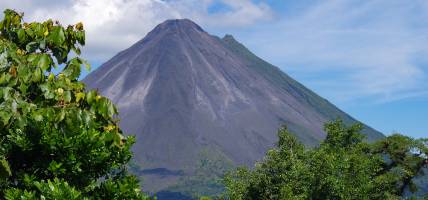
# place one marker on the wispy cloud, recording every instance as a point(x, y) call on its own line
point(374, 47)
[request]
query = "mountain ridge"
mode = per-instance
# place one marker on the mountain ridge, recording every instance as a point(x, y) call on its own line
point(278, 74)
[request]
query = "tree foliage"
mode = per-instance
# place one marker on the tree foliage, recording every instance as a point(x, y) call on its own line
point(57, 140)
point(344, 166)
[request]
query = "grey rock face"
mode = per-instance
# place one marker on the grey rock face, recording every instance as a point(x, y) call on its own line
point(182, 91)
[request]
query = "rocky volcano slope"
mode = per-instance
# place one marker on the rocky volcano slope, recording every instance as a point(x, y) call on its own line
point(183, 92)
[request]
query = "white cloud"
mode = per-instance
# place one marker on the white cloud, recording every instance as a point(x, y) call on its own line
point(240, 13)
point(112, 25)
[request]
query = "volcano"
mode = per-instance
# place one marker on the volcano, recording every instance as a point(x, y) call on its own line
point(188, 95)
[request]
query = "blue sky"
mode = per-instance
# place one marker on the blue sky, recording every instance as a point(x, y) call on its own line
point(367, 57)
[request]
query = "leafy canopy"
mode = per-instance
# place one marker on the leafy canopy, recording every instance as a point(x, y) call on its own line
point(58, 141)
point(342, 167)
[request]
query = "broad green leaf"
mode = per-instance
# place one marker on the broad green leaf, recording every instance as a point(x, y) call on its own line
point(61, 115)
point(38, 117)
point(6, 93)
point(72, 70)
point(5, 116)
point(5, 171)
point(80, 96)
point(32, 57)
point(23, 88)
point(42, 44)
point(21, 35)
point(81, 37)
point(111, 108)
point(67, 96)
point(51, 77)
point(38, 75)
point(44, 62)
point(57, 35)
point(90, 96)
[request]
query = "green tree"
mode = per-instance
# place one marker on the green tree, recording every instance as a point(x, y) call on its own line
point(343, 166)
point(58, 141)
